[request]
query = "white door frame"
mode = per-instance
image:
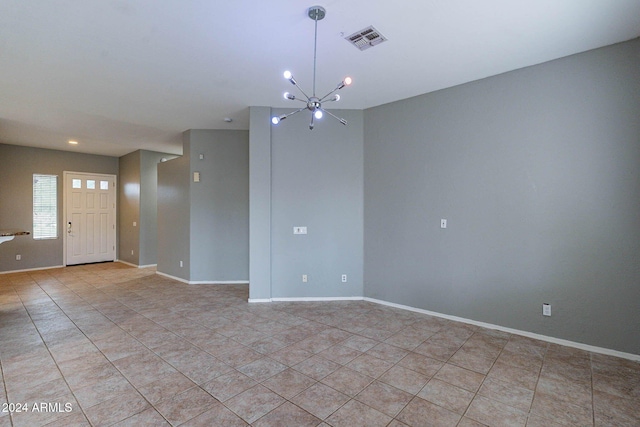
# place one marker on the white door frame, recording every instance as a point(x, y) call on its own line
point(64, 210)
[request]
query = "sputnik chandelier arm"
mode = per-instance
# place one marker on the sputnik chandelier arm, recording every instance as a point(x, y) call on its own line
point(314, 104)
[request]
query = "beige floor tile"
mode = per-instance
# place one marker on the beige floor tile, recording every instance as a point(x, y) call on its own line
point(419, 412)
point(387, 352)
point(166, 387)
point(120, 338)
point(473, 360)
point(359, 343)
point(575, 392)
point(216, 416)
point(143, 369)
point(116, 409)
point(408, 339)
point(288, 383)
point(228, 385)
point(610, 409)
point(100, 391)
point(421, 364)
point(147, 418)
point(241, 355)
point(287, 415)
point(460, 377)
point(347, 381)
point(262, 369)
point(317, 367)
point(404, 379)
point(513, 375)
point(76, 419)
point(561, 411)
point(355, 413)
point(340, 354)
point(446, 395)
point(384, 398)
point(514, 396)
point(27, 392)
point(493, 413)
point(186, 405)
point(369, 365)
point(320, 400)
point(252, 404)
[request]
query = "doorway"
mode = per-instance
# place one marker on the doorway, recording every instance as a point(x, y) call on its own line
point(90, 218)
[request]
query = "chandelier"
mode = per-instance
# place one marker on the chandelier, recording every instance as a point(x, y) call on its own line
point(313, 102)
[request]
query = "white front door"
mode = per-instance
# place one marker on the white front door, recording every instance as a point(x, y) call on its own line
point(90, 217)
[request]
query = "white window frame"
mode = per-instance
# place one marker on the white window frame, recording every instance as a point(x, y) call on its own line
point(45, 207)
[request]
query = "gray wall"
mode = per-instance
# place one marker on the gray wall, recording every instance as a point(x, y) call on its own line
point(205, 224)
point(538, 174)
point(316, 180)
point(129, 208)
point(259, 203)
point(219, 205)
point(148, 224)
point(138, 196)
point(173, 215)
point(16, 199)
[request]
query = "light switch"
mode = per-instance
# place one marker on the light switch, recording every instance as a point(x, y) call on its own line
point(196, 177)
point(135, 224)
point(201, 156)
point(443, 223)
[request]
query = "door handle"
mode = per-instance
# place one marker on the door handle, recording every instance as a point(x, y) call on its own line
point(69, 228)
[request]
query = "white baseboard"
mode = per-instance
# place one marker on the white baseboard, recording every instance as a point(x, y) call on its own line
point(136, 266)
point(179, 279)
point(219, 282)
point(301, 299)
point(204, 282)
point(31, 269)
point(581, 346)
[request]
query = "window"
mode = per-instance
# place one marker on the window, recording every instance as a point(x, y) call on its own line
point(76, 183)
point(45, 206)
point(104, 185)
point(91, 184)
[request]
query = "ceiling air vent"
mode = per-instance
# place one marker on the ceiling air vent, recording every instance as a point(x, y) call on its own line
point(364, 39)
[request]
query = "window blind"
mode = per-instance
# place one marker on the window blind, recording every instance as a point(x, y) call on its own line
point(45, 206)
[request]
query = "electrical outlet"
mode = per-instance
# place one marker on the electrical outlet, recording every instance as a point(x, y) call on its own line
point(344, 278)
point(546, 309)
point(131, 251)
point(181, 264)
point(305, 278)
point(18, 257)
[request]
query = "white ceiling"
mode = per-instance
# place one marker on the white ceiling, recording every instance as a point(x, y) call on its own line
point(120, 75)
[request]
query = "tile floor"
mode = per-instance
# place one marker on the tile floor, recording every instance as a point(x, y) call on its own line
point(123, 346)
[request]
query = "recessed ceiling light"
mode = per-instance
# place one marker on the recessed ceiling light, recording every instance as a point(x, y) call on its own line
point(73, 142)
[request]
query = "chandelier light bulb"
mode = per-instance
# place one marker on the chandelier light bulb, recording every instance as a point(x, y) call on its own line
point(313, 102)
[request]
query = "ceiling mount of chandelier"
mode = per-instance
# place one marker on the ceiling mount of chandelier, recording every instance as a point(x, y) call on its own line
point(313, 102)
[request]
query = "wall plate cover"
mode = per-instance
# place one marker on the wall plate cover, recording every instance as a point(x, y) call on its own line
point(299, 230)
